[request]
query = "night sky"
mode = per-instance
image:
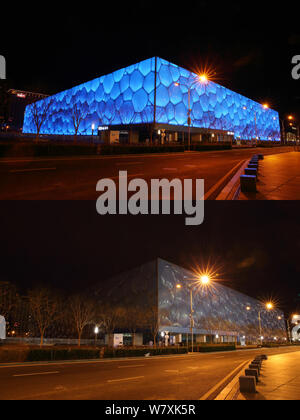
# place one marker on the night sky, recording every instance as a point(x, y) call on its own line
point(249, 45)
point(254, 246)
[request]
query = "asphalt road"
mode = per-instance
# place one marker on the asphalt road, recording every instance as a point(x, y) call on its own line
point(185, 377)
point(75, 178)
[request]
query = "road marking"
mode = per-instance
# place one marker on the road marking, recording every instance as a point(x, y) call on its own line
point(38, 373)
point(91, 361)
point(15, 171)
point(219, 384)
point(128, 163)
point(125, 379)
point(129, 366)
point(172, 371)
point(128, 176)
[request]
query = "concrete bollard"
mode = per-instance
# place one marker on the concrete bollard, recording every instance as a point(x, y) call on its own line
point(252, 372)
point(251, 171)
point(256, 362)
point(253, 165)
point(247, 384)
point(248, 183)
point(255, 366)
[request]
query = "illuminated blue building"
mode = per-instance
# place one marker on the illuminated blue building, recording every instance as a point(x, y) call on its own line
point(154, 92)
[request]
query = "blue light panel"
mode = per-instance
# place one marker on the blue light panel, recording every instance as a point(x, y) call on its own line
point(127, 97)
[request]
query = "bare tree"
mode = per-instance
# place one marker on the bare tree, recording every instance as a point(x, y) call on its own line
point(77, 116)
point(45, 309)
point(134, 318)
point(82, 311)
point(8, 298)
point(40, 113)
point(151, 321)
point(111, 316)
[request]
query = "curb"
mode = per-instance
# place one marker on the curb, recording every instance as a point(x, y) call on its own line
point(232, 188)
point(232, 390)
point(208, 394)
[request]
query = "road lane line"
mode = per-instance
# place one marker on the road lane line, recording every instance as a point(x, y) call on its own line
point(38, 373)
point(120, 177)
point(172, 371)
point(15, 171)
point(128, 163)
point(129, 366)
point(125, 379)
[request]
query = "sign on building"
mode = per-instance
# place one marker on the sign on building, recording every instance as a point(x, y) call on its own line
point(118, 340)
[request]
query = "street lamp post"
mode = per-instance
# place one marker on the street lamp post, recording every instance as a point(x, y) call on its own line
point(204, 280)
point(268, 306)
point(202, 79)
point(265, 106)
point(288, 326)
point(192, 319)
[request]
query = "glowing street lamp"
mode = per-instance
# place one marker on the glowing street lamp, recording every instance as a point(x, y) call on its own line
point(265, 106)
point(203, 280)
point(269, 306)
point(96, 331)
point(203, 79)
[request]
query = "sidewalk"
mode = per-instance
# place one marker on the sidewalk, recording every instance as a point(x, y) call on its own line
point(279, 379)
point(278, 178)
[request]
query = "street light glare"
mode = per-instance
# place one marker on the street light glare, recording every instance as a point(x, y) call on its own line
point(203, 78)
point(266, 106)
point(205, 279)
point(269, 305)
point(178, 286)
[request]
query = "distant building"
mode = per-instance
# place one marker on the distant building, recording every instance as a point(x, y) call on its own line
point(291, 136)
point(151, 98)
point(220, 313)
point(17, 102)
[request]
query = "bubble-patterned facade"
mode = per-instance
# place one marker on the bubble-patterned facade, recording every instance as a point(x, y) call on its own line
point(217, 310)
point(129, 96)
